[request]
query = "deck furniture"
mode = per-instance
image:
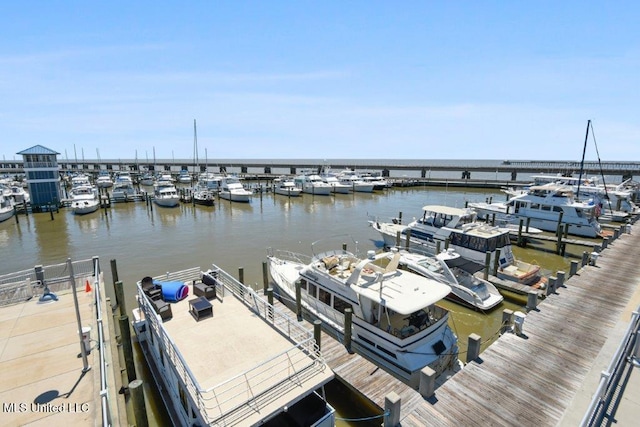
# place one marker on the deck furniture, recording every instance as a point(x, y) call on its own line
point(200, 308)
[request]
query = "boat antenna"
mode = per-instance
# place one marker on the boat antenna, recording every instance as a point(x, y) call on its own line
point(584, 150)
point(195, 147)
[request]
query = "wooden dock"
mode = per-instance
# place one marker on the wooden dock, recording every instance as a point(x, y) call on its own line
point(527, 380)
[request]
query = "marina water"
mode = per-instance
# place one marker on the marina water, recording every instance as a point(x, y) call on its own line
point(147, 240)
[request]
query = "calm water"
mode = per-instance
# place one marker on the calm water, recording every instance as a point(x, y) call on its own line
point(149, 242)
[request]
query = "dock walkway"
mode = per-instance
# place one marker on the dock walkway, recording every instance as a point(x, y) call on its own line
point(542, 378)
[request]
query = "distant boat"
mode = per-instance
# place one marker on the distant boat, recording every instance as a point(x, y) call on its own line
point(6, 207)
point(166, 195)
point(232, 189)
point(104, 180)
point(286, 187)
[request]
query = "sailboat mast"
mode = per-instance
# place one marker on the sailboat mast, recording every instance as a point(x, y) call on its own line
point(195, 147)
point(584, 150)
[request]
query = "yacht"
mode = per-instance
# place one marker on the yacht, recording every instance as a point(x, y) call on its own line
point(210, 181)
point(466, 288)
point(353, 180)
point(286, 187)
point(396, 321)
point(379, 183)
point(184, 177)
point(147, 179)
point(546, 207)
point(312, 183)
point(330, 178)
point(232, 189)
point(165, 195)
point(443, 227)
point(84, 199)
point(7, 209)
point(104, 180)
point(223, 356)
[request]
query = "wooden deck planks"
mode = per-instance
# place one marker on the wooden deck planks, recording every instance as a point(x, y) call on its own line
point(525, 381)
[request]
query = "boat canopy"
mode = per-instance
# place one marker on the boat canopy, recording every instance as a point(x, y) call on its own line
point(401, 291)
point(445, 210)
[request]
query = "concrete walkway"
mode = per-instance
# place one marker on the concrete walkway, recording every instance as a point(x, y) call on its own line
point(41, 376)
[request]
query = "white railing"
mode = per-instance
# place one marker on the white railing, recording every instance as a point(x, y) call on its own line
point(610, 378)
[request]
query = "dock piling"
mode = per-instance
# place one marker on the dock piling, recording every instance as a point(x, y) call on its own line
point(473, 347)
point(573, 268)
point(392, 406)
point(298, 300)
point(507, 320)
point(127, 347)
point(427, 386)
point(265, 277)
point(137, 398)
point(532, 300)
point(551, 285)
point(560, 279)
point(317, 329)
point(487, 265)
point(119, 291)
point(348, 313)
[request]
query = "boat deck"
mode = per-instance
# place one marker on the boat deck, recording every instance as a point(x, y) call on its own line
point(238, 360)
point(545, 377)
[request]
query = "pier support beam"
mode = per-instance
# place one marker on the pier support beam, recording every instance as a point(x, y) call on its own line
point(119, 290)
point(427, 386)
point(298, 300)
point(392, 405)
point(560, 279)
point(585, 258)
point(551, 285)
point(473, 347)
point(265, 277)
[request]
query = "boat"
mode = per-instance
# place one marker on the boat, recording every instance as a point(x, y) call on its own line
point(202, 196)
point(84, 199)
point(147, 179)
point(123, 177)
point(222, 355)
point(312, 183)
point(330, 178)
point(232, 189)
point(546, 207)
point(286, 187)
point(352, 179)
point(104, 180)
point(396, 321)
point(379, 183)
point(442, 227)
point(7, 207)
point(79, 179)
point(466, 288)
point(165, 195)
point(184, 177)
point(210, 181)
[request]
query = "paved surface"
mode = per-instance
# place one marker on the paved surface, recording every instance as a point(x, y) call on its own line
point(41, 376)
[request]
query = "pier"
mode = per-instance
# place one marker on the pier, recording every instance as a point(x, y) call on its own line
point(542, 377)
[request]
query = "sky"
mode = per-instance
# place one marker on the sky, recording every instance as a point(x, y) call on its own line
point(321, 79)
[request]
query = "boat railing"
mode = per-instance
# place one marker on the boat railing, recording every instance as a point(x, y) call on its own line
point(624, 359)
point(289, 256)
point(259, 384)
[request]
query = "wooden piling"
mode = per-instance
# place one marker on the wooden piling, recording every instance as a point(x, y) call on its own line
point(127, 347)
point(585, 258)
point(265, 277)
point(551, 285)
point(473, 347)
point(573, 268)
point(427, 384)
point(348, 313)
point(487, 264)
point(392, 405)
point(317, 333)
point(241, 275)
point(299, 300)
point(407, 239)
point(560, 279)
point(114, 271)
point(137, 399)
point(119, 291)
point(507, 319)
point(532, 300)
point(397, 239)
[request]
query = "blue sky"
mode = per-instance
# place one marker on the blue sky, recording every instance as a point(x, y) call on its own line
point(323, 79)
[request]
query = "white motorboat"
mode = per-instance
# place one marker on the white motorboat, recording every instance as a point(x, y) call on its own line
point(202, 196)
point(184, 177)
point(396, 321)
point(379, 183)
point(104, 180)
point(210, 181)
point(468, 237)
point(286, 187)
point(165, 195)
point(147, 179)
point(84, 199)
point(546, 207)
point(465, 287)
point(19, 194)
point(312, 183)
point(353, 180)
point(337, 187)
point(232, 189)
point(226, 356)
point(7, 207)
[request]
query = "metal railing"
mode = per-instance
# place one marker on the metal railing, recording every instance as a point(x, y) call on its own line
point(609, 379)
